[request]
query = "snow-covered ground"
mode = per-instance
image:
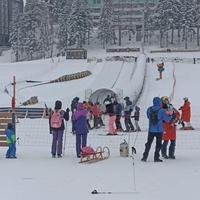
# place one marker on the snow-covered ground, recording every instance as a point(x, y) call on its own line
point(35, 175)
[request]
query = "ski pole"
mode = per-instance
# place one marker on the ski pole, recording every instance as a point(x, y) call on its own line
point(65, 136)
point(134, 181)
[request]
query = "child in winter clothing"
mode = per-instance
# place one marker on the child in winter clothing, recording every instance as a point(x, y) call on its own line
point(11, 141)
point(137, 117)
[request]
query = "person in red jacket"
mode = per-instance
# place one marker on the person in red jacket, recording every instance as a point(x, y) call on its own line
point(96, 114)
point(169, 133)
point(186, 114)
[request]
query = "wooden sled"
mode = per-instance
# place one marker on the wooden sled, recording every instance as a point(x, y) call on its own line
point(187, 128)
point(98, 155)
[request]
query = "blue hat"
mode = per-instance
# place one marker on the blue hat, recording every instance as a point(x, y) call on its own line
point(156, 101)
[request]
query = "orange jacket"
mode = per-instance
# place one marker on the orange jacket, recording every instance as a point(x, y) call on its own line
point(186, 112)
point(170, 127)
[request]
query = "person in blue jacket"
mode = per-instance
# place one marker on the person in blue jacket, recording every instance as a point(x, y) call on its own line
point(11, 141)
point(156, 115)
point(81, 128)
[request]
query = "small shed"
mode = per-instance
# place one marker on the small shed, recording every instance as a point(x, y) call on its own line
point(76, 53)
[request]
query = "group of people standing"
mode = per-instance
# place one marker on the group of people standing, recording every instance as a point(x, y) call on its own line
point(116, 111)
point(82, 112)
point(163, 118)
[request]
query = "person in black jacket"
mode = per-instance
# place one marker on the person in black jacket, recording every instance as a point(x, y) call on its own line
point(128, 108)
point(58, 130)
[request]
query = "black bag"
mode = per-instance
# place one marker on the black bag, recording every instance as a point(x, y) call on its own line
point(154, 116)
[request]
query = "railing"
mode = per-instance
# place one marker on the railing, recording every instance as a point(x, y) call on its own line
point(26, 112)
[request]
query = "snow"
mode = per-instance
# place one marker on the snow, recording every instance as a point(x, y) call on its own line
point(35, 175)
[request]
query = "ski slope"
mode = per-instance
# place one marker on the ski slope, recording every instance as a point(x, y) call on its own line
point(35, 175)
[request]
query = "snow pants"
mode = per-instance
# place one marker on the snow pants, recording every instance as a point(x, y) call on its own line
point(149, 142)
point(56, 147)
point(171, 148)
point(81, 141)
point(11, 152)
point(118, 122)
point(128, 123)
point(111, 124)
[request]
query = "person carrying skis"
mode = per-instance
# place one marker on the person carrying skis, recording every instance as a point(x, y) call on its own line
point(57, 118)
point(81, 128)
point(11, 141)
point(156, 115)
point(169, 133)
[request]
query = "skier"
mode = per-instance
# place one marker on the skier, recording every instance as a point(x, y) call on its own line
point(11, 141)
point(136, 117)
point(160, 70)
point(186, 114)
point(128, 108)
point(81, 128)
point(118, 112)
point(57, 118)
point(108, 98)
point(112, 117)
point(156, 115)
point(169, 130)
point(96, 114)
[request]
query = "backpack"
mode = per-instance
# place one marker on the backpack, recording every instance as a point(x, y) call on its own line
point(154, 116)
point(56, 119)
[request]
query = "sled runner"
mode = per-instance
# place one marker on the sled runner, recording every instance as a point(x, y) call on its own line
point(89, 155)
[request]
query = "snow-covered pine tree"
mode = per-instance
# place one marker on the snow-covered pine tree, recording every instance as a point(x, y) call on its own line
point(106, 29)
point(61, 10)
point(79, 23)
point(30, 34)
point(45, 34)
point(187, 18)
point(164, 15)
point(17, 35)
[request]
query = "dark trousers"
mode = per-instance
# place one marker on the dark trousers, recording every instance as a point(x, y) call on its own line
point(171, 147)
point(81, 141)
point(96, 121)
point(118, 122)
point(128, 123)
point(149, 142)
point(56, 147)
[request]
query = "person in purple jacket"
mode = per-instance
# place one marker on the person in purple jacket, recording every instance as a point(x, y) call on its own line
point(81, 128)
